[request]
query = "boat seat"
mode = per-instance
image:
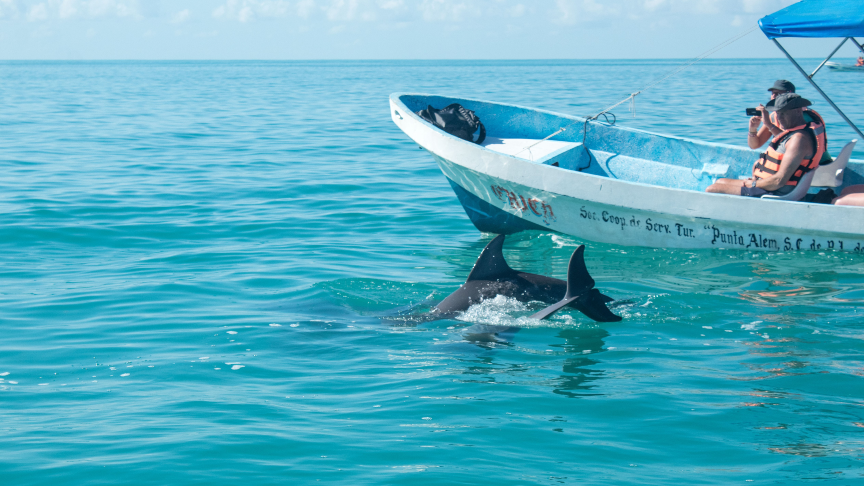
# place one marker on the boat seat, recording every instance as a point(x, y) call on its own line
point(799, 192)
point(831, 175)
point(519, 147)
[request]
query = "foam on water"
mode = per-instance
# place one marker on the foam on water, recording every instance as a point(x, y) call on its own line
point(496, 311)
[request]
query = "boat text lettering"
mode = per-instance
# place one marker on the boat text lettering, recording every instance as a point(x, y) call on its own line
point(684, 231)
point(656, 226)
point(669, 231)
point(519, 203)
point(788, 245)
point(759, 241)
point(752, 240)
point(609, 218)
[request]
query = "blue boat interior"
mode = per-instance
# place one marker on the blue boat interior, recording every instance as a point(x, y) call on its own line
point(605, 150)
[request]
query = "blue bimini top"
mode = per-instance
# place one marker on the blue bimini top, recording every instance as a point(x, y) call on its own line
point(816, 18)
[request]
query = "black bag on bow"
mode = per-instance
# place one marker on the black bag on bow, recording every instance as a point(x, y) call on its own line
point(456, 120)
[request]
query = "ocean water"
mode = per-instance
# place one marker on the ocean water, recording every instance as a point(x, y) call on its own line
point(208, 272)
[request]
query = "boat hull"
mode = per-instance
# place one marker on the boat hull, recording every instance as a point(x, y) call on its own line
point(844, 67)
point(506, 194)
point(516, 207)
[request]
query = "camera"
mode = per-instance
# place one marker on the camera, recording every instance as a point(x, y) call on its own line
point(753, 112)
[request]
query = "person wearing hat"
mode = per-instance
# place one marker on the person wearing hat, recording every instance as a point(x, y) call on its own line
point(789, 156)
point(757, 136)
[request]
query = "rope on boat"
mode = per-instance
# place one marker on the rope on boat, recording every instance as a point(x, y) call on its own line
point(540, 141)
point(632, 98)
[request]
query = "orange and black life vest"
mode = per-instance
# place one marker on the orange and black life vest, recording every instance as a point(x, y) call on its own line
point(818, 129)
point(769, 162)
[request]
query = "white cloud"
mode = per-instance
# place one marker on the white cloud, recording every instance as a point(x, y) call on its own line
point(387, 13)
point(390, 4)
point(8, 9)
point(709, 7)
point(249, 10)
point(765, 6)
point(272, 8)
point(245, 14)
point(446, 10)
point(713, 7)
point(37, 12)
point(104, 8)
point(517, 10)
point(652, 5)
point(305, 8)
point(67, 9)
point(573, 11)
point(341, 10)
point(181, 16)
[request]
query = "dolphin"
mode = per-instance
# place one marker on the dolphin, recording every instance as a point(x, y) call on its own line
point(492, 276)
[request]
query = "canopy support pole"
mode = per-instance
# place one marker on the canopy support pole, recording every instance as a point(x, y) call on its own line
point(820, 90)
point(857, 44)
point(829, 57)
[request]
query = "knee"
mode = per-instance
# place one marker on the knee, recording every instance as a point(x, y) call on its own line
point(856, 199)
point(719, 188)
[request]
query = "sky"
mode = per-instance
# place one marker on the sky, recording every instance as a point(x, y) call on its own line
point(389, 29)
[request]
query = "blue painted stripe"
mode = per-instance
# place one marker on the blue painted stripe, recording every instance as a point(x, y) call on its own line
point(489, 219)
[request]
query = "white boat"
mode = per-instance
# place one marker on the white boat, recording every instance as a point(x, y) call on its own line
point(622, 186)
point(836, 66)
point(605, 183)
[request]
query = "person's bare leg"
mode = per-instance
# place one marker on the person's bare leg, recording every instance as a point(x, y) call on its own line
point(850, 200)
point(851, 196)
point(727, 186)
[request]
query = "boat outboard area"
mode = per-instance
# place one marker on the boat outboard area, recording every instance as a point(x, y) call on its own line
point(540, 170)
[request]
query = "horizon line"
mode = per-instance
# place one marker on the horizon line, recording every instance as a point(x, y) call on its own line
point(398, 59)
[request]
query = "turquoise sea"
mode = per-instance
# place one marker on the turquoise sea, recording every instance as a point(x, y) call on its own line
point(205, 269)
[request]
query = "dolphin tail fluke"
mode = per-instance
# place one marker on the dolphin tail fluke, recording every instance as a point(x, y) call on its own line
point(490, 265)
point(581, 293)
point(593, 305)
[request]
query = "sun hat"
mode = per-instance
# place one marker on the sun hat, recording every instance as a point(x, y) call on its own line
point(782, 85)
point(788, 101)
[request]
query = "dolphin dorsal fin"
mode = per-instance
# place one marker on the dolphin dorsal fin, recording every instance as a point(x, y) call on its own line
point(578, 278)
point(490, 265)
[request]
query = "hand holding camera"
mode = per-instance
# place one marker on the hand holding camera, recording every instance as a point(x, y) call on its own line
point(756, 114)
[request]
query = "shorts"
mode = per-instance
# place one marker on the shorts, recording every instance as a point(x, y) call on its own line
point(759, 192)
